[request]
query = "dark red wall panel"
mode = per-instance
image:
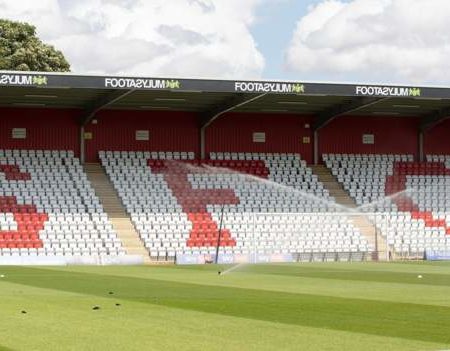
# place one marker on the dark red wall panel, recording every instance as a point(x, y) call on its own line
point(437, 140)
point(116, 131)
point(393, 135)
point(178, 131)
point(284, 133)
point(50, 129)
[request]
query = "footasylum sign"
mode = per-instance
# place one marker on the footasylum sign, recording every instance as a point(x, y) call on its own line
point(368, 90)
point(142, 83)
point(269, 87)
point(22, 79)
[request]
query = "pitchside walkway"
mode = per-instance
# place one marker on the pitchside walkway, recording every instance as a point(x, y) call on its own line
point(360, 221)
point(116, 213)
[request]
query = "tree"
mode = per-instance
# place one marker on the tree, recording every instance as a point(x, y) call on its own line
point(22, 50)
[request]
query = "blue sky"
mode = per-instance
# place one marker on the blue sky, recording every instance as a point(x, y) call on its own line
point(273, 32)
point(386, 41)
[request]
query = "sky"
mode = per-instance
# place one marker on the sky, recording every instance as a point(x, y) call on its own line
point(383, 41)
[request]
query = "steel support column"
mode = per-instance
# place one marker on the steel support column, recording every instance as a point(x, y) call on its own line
point(229, 104)
point(421, 153)
point(316, 147)
point(82, 146)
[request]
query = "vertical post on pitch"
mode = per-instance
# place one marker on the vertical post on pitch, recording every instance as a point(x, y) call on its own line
point(421, 153)
point(253, 255)
point(388, 250)
point(82, 148)
point(219, 236)
point(316, 147)
point(377, 254)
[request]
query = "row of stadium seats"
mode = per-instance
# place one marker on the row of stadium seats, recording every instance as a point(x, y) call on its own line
point(410, 199)
point(155, 155)
point(48, 207)
point(176, 205)
point(25, 154)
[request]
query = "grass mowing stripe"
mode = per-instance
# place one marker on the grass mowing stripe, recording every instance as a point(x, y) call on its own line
point(347, 274)
point(443, 263)
point(161, 327)
point(410, 321)
point(394, 292)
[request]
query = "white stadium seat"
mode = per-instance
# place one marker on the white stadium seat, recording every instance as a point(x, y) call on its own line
point(276, 204)
point(412, 221)
point(48, 207)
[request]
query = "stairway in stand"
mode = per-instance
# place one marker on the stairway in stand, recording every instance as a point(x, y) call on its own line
point(359, 220)
point(112, 205)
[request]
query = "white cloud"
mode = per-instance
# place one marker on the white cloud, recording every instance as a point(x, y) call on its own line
point(374, 40)
point(201, 38)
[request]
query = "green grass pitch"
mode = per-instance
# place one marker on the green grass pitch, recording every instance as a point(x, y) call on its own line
point(327, 306)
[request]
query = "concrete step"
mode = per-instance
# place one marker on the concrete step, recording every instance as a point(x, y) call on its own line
point(359, 220)
point(117, 214)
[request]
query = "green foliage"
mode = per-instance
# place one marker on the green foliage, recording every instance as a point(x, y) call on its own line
point(22, 50)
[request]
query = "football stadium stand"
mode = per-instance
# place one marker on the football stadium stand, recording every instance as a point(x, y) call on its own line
point(48, 208)
point(410, 199)
point(230, 177)
point(273, 204)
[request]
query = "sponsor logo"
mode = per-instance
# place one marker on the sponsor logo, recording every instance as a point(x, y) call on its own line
point(142, 83)
point(39, 80)
point(268, 87)
point(19, 79)
point(387, 91)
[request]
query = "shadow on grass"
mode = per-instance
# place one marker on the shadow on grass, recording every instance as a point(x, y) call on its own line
point(410, 321)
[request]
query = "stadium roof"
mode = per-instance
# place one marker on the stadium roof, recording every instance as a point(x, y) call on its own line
point(211, 98)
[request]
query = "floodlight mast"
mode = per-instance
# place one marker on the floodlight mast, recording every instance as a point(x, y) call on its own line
point(219, 236)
